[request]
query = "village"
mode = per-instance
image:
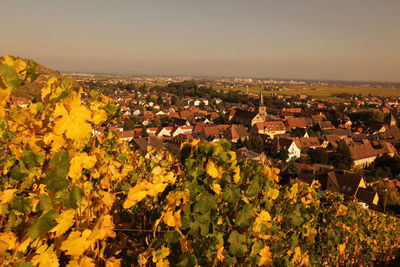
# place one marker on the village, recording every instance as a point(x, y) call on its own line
point(349, 147)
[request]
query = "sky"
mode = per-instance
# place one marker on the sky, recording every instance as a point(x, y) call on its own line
point(356, 40)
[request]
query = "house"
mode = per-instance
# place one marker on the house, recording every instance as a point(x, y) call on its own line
point(236, 133)
point(298, 123)
point(277, 144)
point(211, 133)
point(348, 183)
point(19, 101)
point(270, 128)
point(366, 197)
point(245, 153)
point(318, 118)
point(324, 125)
point(186, 114)
point(178, 140)
point(249, 118)
point(164, 131)
point(299, 132)
point(182, 130)
point(198, 127)
point(342, 133)
point(363, 154)
point(333, 139)
point(245, 117)
point(145, 143)
point(125, 135)
point(148, 115)
point(307, 142)
point(214, 133)
point(151, 131)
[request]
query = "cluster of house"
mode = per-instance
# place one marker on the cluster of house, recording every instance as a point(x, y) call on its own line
point(348, 183)
point(287, 129)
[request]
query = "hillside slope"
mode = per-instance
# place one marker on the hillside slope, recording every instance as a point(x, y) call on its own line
point(32, 90)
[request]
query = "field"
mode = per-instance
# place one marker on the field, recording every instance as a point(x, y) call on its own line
point(325, 91)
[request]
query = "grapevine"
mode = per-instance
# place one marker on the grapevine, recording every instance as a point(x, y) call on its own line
point(73, 194)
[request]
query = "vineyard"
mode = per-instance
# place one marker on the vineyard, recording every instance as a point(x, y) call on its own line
point(72, 194)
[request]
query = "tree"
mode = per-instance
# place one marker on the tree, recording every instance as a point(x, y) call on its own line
point(283, 154)
point(384, 166)
point(388, 195)
point(318, 155)
point(160, 100)
point(175, 100)
point(144, 132)
point(255, 143)
point(342, 158)
point(202, 105)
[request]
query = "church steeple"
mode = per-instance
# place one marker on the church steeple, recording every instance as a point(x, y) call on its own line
point(393, 121)
point(262, 110)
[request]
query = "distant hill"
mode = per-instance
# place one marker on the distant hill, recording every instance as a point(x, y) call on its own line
point(32, 90)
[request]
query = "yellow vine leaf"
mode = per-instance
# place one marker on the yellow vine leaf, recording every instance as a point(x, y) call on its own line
point(157, 170)
point(79, 161)
point(99, 115)
point(265, 255)
point(162, 263)
point(271, 173)
point(220, 253)
point(263, 218)
point(341, 249)
point(107, 198)
point(195, 142)
point(236, 176)
point(342, 210)
point(217, 189)
point(71, 118)
point(24, 245)
point(155, 189)
point(173, 219)
point(4, 96)
point(293, 191)
point(212, 170)
point(306, 199)
point(56, 141)
point(18, 64)
point(46, 257)
point(113, 262)
point(65, 221)
point(7, 241)
point(76, 243)
point(273, 193)
point(297, 255)
point(160, 255)
point(7, 195)
point(83, 262)
point(175, 199)
point(53, 89)
point(136, 194)
point(103, 229)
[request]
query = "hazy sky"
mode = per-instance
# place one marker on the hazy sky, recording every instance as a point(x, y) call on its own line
point(320, 39)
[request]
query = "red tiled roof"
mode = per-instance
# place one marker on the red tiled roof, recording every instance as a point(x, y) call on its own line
point(186, 113)
point(298, 122)
point(198, 127)
point(271, 126)
point(211, 131)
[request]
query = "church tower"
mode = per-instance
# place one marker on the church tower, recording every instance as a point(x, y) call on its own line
point(262, 109)
point(393, 121)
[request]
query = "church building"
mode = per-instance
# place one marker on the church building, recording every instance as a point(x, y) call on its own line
point(249, 118)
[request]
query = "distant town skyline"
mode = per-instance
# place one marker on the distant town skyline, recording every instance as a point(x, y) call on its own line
point(353, 40)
